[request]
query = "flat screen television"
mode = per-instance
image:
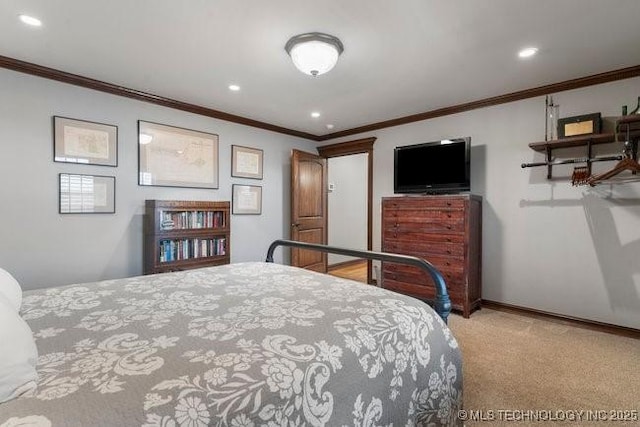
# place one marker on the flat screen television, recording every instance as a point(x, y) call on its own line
point(434, 167)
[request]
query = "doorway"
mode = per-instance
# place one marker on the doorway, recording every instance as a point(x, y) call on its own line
point(350, 217)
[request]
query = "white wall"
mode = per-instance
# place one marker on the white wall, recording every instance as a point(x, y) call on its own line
point(43, 248)
point(347, 204)
point(546, 245)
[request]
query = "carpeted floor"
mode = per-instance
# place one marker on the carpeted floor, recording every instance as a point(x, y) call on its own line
point(515, 363)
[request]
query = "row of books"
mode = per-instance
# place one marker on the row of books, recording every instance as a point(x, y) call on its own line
point(180, 249)
point(172, 220)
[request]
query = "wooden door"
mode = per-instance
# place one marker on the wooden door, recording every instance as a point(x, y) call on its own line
point(308, 208)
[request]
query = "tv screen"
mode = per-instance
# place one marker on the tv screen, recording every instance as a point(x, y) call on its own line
point(433, 167)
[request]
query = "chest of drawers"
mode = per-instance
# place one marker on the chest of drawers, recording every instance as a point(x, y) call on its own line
point(446, 231)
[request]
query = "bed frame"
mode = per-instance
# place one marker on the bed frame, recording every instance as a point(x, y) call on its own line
point(442, 303)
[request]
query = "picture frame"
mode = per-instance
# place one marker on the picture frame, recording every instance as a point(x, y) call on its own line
point(585, 124)
point(246, 199)
point(86, 194)
point(170, 156)
point(84, 142)
point(246, 162)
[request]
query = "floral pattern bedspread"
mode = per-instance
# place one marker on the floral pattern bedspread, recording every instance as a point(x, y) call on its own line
point(248, 344)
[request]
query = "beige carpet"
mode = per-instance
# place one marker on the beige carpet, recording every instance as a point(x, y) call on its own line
point(513, 362)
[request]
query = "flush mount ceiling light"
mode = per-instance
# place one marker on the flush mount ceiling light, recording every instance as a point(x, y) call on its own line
point(314, 53)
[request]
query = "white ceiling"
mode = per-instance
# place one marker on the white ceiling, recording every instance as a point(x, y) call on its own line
point(401, 57)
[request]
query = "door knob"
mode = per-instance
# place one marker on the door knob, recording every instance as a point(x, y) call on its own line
point(295, 224)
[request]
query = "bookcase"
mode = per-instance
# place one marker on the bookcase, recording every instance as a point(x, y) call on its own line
point(180, 235)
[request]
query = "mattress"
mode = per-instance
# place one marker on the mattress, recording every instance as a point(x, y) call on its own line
point(247, 344)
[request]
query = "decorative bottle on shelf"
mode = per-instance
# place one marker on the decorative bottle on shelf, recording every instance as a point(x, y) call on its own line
point(637, 109)
point(552, 112)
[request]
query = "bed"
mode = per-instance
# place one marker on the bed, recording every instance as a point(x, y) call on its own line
point(247, 344)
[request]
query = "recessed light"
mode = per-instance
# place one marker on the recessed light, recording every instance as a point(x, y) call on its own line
point(234, 88)
point(528, 52)
point(330, 126)
point(315, 114)
point(30, 20)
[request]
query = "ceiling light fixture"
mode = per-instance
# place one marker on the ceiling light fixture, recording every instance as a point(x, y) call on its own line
point(30, 20)
point(330, 126)
point(234, 88)
point(314, 53)
point(315, 114)
point(528, 52)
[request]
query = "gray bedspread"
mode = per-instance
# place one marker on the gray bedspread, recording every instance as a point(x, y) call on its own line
point(249, 344)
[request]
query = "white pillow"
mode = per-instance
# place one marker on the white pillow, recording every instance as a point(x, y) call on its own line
point(19, 354)
point(10, 288)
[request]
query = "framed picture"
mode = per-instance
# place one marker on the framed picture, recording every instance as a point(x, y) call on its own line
point(246, 162)
point(175, 157)
point(247, 200)
point(87, 194)
point(579, 125)
point(80, 141)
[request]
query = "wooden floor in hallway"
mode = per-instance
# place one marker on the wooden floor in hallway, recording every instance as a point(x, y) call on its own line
point(356, 270)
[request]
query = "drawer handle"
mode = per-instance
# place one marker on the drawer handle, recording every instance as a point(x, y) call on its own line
point(448, 215)
point(448, 263)
point(449, 252)
point(448, 203)
point(448, 240)
point(448, 227)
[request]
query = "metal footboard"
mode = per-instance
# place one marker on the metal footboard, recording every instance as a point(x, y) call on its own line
point(442, 303)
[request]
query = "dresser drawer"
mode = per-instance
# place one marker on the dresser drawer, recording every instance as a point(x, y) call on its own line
point(423, 292)
point(403, 203)
point(417, 215)
point(391, 234)
point(425, 247)
point(453, 279)
point(449, 264)
point(424, 225)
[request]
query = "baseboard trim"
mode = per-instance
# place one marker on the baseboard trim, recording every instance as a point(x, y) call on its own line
point(574, 321)
point(343, 264)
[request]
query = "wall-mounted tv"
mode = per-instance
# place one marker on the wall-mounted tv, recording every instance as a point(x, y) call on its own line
point(434, 167)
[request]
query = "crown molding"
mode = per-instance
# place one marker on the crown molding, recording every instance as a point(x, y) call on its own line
point(77, 80)
point(86, 82)
point(596, 79)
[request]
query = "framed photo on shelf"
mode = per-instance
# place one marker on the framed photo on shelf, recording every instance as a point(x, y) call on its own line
point(246, 200)
point(81, 194)
point(246, 162)
point(170, 156)
point(80, 141)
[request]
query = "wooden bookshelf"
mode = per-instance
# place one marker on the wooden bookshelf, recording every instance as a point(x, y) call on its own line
point(181, 235)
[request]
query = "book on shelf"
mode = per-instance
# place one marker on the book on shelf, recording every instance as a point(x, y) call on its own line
point(181, 220)
point(183, 249)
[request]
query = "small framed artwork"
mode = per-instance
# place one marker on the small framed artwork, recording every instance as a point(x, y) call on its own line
point(246, 162)
point(170, 156)
point(579, 125)
point(80, 194)
point(80, 141)
point(246, 200)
